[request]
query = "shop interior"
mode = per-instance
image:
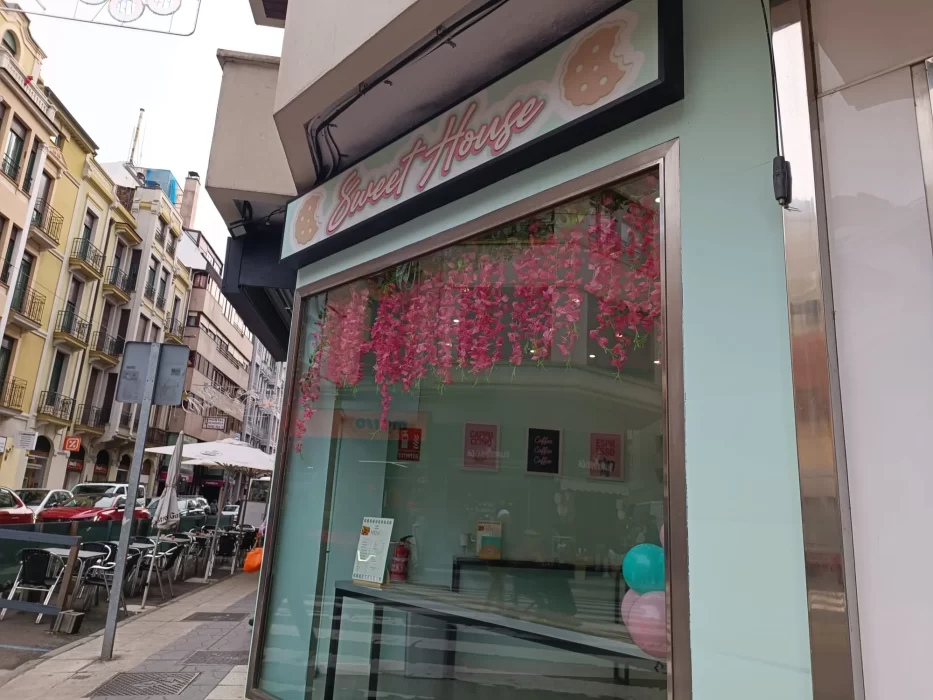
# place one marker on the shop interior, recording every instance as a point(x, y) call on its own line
point(516, 442)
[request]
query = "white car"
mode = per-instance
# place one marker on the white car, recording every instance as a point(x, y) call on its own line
point(40, 499)
point(108, 493)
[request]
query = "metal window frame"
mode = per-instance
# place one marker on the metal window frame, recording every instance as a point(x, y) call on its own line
point(665, 158)
point(832, 606)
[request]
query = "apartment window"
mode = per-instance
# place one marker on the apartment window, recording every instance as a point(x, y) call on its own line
point(30, 167)
point(154, 334)
point(15, 143)
point(143, 327)
point(90, 225)
point(163, 283)
point(192, 321)
point(8, 258)
point(200, 280)
point(10, 42)
point(150, 279)
point(6, 358)
point(59, 366)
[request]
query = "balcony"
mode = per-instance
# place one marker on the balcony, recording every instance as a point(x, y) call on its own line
point(160, 235)
point(27, 305)
point(150, 291)
point(92, 419)
point(156, 436)
point(45, 227)
point(117, 285)
point(105, 349)
point(13, 394)
point(71, 329)
point(55, 408)
point(8, 63)
point(174, 331)
point(126, 417)
point(87, 258)
point(160, 301)
point(10, 168)
point(172, 247)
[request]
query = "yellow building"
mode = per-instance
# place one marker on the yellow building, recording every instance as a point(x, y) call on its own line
point(90, 261)
point(34, 189)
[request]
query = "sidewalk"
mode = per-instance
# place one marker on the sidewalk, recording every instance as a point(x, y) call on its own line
point(161, 654)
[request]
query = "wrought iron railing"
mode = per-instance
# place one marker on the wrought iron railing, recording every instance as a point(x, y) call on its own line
point(126, 417)
point(116, 277)
point(150, 291)
point(106, 344)
point(28, 302)
point(172, 246)
point(57, 405)
point(89, 253)
point(91, 416)
point(70, 323)
point(10, 167)
point(13, 392)
point(175, 327)
point(156, 436)
point(48, 220)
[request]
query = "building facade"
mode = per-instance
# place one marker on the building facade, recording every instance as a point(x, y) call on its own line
point(264, 400)
point(784, 434)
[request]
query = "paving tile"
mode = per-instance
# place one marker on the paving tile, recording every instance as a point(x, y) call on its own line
point(226, 692)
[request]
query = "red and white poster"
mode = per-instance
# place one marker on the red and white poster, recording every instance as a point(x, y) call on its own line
point(409, 445)
point(481, 446)
point(606, 456)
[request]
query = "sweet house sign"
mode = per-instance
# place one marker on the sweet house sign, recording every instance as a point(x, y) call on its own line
point(596, 67)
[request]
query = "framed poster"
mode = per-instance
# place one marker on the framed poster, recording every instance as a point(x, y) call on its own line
point(606, 457)
point(543, 453)
point(481, 447)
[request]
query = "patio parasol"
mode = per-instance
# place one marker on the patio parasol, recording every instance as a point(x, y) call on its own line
point(230, 455)
point(166, 514)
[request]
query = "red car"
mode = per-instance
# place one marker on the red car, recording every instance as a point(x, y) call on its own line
point(94, 507)
point(13, 511)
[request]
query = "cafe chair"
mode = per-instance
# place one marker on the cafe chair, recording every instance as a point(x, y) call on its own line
point(249, 541)
point(33, 575)
point(164, 563)
point(107, 554)
point(226, 546)
point(101, 576)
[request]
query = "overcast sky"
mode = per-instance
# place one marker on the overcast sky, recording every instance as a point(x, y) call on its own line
point(105, 74)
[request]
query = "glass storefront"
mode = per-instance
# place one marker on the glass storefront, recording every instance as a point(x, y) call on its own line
point(499, 403)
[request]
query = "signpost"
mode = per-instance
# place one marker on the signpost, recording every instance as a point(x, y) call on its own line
point(149, 374)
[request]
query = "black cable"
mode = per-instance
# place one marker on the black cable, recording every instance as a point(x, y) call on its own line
point(778, 136)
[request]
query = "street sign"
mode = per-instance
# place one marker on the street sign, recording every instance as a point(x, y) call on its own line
point(215, 423)
point(170, 377)
point(2, 445)
point(72, 443)
point(26, 440)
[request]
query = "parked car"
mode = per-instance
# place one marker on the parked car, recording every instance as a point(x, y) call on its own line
point(231, 509)
point(89, 506)
point(112, 491)
point(40, 499)
point(13, 511)
point(186, 506)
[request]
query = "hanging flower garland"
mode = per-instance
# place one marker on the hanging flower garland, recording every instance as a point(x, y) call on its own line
point(453, 311)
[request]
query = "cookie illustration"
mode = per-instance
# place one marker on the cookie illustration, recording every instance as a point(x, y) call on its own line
point(591, 72)
point(306, 225)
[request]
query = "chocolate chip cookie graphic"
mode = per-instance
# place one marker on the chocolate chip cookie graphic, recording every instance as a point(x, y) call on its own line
point(306, 222)
point(591, 72)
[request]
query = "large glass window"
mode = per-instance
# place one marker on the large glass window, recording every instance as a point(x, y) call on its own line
point(499, 405)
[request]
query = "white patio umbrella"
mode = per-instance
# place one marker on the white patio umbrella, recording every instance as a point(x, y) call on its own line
point(166, 514)
point(230, 455)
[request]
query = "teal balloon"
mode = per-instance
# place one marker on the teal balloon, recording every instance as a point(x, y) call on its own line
point(643, 568)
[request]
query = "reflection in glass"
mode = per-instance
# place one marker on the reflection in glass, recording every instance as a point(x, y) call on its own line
point(501, 401)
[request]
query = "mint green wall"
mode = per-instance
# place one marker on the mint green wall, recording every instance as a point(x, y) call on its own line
point(748, 623)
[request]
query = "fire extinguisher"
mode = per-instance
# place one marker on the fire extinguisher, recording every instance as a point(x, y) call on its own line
point(398, 572)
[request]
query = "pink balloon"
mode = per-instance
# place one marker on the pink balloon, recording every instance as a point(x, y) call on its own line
point(647, 623)
point(628, 600)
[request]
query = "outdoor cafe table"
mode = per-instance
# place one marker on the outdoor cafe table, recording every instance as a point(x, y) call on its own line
point(606, 641)
point(83, 556)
